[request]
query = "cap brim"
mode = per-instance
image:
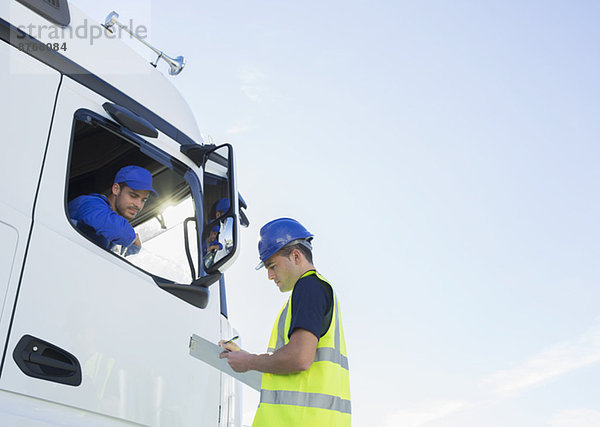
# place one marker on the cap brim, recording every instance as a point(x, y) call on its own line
point(151, 190)
point(140, 186)
point(259, 266)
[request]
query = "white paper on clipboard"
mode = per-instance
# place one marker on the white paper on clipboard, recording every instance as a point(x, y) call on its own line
point(209, 352)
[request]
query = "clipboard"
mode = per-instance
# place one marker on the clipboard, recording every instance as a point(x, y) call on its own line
point(209, 352)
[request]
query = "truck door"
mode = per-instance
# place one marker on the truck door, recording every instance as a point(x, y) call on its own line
point(82, 308)
point(28, 90)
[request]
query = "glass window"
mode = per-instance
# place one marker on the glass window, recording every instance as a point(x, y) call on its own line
point(163, 246)
point(147, 231)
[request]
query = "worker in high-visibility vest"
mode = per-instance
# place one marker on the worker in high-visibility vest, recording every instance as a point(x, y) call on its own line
point(305, 378)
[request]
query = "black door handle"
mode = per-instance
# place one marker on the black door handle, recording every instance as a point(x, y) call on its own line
point(48, 362)
point(40, 359)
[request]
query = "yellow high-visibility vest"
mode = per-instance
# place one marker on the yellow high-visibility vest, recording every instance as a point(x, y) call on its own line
point(319, 396)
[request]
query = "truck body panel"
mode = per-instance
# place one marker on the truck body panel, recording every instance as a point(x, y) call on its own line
point(128, 334)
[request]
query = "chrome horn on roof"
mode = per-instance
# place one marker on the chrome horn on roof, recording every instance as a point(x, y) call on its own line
point(175, 64)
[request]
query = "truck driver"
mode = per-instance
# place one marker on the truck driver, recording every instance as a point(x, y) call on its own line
point(105, 219)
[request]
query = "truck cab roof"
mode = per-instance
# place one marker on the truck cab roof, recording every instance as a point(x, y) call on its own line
point(92, 53)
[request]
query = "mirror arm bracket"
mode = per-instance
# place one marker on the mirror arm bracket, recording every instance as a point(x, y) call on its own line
point(196, 293)
point(186, 240)
point(197, 153)
point(206, 281)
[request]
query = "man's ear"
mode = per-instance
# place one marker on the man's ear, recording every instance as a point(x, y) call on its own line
point(296, 256)
point(116, 188)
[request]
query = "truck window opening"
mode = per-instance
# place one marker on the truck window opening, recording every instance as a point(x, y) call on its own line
point(97, 154)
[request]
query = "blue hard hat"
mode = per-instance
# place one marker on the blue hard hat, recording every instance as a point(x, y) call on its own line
point(223, 205)
point(278, 233)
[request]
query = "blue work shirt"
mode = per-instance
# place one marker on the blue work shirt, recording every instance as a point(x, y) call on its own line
point(206, 245)
point(94, 217)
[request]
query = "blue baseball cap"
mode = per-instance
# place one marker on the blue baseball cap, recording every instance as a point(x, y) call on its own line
point(223, 205)
point(135, 177)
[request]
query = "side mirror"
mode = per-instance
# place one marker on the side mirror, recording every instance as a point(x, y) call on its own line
point(221, 210)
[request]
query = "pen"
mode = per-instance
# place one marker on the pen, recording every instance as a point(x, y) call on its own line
point(231, 340)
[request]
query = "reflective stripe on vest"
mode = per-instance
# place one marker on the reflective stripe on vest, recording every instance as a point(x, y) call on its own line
point(326, 354)
point(311, 400)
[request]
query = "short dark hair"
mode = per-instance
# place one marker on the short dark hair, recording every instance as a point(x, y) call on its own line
point(108, 191)
point(287, 250)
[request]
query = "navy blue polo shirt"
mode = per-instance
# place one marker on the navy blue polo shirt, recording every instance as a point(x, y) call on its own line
point(94, 217)
point(312, 306)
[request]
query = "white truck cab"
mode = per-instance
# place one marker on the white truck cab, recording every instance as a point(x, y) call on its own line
point(94, 336)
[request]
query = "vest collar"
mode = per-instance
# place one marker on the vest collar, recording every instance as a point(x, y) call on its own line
point(308, 273)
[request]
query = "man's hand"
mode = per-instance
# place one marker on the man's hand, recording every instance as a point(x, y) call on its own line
point(239, 360)
point(229, 345)
point(134, 248)
point(297, 355)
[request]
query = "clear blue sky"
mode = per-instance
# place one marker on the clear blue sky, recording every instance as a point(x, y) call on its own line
point(445, 155)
